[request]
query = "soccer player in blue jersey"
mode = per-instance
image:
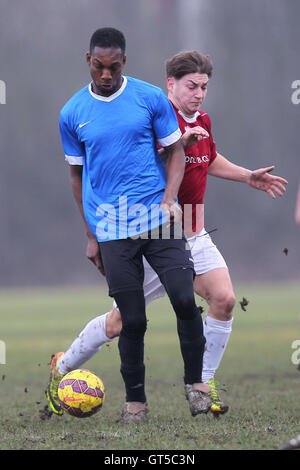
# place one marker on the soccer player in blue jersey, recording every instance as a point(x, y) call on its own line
point(109, 132)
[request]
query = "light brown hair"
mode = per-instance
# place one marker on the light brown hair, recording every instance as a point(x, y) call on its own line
point(188, 62)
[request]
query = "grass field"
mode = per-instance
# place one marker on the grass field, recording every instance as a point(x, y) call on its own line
point(262, 383)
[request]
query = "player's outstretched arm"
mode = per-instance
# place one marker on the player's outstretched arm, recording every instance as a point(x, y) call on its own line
point(92, 251)
point(271, 184)
point(259, 179)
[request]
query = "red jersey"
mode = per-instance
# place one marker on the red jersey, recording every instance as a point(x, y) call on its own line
point(198, 157)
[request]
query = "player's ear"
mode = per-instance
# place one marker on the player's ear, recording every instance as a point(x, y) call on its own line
point(88, 58)
point(170, 84)
point(124, 60)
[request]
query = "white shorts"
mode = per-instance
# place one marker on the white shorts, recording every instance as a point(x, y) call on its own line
point(206, 257)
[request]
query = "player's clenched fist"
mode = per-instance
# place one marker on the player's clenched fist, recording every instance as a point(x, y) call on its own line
point(193, 135)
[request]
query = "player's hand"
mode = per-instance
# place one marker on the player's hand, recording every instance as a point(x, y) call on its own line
point(173, 212)
point(271, 184)
point(193, 135)
point(94, 255)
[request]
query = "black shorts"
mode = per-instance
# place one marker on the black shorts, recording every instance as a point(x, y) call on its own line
point(123, 262)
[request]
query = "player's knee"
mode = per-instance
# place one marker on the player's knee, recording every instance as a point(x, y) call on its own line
point(132, 310)
point(224, 304)
point(184, 306)
point(229, 303)
point(134, 328)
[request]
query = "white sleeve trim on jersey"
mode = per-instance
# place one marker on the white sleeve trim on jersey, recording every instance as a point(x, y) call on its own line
point(170, 139)
point(74, 160)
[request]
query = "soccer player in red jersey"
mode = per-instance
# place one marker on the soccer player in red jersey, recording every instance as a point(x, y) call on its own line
point(188, 74)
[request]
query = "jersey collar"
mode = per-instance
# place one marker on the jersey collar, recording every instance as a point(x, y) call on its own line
point(111, 97)
point(190, 120)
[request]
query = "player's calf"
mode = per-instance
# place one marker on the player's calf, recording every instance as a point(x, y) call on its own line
point(113, 323)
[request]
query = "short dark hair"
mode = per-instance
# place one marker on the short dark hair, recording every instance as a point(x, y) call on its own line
point(108, 37)
point(188, 62)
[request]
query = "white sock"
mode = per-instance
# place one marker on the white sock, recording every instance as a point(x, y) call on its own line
point(87, 343)
point(217, 334)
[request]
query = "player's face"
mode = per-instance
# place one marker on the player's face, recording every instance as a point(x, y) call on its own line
point(189, 92)
point(106, 66)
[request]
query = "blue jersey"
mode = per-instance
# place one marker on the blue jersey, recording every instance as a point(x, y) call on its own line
point(115, 139)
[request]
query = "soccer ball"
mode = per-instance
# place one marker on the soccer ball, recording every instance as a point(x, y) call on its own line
point(81, 393)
